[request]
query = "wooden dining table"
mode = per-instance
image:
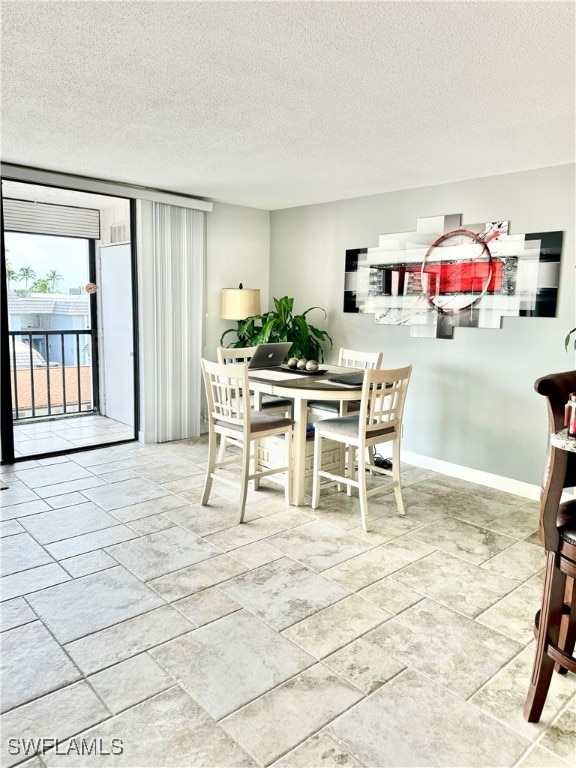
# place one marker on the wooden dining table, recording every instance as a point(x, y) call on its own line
point(301, 389)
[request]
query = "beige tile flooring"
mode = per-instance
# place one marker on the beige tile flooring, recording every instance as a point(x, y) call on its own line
point(136, 621)
point(62, 434)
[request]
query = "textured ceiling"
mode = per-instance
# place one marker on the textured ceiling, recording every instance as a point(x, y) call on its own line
point(56, 196)
point(277, 104)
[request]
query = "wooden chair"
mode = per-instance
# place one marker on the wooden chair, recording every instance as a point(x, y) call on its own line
point(231, 415)
point(555, 628)
point(347, 358)
point(378, 420)
point(268, 403)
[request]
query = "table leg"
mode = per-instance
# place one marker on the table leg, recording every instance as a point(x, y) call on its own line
point(299, 451)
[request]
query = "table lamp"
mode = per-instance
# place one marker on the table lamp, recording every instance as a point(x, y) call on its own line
point(240, 303)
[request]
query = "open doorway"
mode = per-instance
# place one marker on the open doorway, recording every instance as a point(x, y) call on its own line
point(69, 319)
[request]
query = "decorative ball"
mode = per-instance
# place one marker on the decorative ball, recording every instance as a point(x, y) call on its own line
point(293, 362)
point(302, 364)
point(312, 365)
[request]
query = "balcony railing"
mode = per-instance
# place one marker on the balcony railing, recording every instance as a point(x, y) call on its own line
point(51, 373)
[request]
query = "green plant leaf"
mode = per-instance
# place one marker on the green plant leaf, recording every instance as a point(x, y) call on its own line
point(311, 308)
point(281, 324)
point(230, 330)
point(284, 307)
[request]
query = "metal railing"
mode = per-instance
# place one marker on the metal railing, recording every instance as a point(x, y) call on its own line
point(51, 373)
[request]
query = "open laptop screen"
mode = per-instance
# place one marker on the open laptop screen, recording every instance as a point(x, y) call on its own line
point(270, 355)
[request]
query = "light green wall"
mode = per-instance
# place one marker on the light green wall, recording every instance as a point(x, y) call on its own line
point(237, 251)
point(471, 400)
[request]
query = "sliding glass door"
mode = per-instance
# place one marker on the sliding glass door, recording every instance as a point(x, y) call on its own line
point(68, 322)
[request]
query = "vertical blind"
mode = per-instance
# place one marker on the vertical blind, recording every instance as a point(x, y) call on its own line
point(173, 262)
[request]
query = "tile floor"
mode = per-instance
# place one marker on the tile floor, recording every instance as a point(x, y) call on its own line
point(144, 630)
point(36, 437)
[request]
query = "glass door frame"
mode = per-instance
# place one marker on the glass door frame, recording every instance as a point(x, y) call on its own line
point(6, 412)
point(6, 418)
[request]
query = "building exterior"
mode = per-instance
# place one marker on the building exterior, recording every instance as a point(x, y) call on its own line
point(39, 312)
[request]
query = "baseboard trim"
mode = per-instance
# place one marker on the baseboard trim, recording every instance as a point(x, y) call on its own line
point(499, 483)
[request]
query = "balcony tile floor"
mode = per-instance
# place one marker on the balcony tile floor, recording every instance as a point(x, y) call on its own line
point(136, 622)
point(62, 434)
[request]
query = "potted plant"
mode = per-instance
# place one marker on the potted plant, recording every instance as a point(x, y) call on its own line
point(282, 324)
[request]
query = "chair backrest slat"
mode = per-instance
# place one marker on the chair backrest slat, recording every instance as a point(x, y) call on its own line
point(351, 358)
point(383, 398)
point(227, 391)
point(235, 354)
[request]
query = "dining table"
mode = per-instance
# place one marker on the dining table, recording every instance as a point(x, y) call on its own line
point(301, 388)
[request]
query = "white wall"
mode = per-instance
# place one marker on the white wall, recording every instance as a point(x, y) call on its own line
point(471, 400)
point(116, 212)
point(237, 251)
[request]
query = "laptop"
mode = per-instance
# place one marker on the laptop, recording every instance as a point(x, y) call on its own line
point(351, 379)
point(269, 355)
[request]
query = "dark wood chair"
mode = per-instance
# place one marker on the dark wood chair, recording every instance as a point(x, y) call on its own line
point(556, 621)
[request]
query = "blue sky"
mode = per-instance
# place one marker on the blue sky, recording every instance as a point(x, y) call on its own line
point(67, 255)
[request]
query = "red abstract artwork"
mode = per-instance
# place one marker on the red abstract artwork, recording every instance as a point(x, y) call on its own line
point(465, 278)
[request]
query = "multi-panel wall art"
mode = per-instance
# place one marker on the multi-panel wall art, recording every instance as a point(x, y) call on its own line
point(445, 275)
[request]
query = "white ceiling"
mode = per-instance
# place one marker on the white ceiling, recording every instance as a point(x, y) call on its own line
point(56, 196)
point(278, 104)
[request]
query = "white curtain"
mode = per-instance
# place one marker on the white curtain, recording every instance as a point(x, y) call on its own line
point(171, 246)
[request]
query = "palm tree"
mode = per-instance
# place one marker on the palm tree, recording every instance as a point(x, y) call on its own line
point(41, 286)
point(27, 274)
point(53, 278)
point(10, 273)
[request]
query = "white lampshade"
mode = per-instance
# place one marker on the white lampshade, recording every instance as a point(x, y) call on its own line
point(240, 303)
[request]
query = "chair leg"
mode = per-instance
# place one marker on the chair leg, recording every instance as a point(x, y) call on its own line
point(244, 472)
point(342, 466)
point(212, 441)
point(362, 490)
point(567, 637)
point(351, 467)
point(548, 632)
point(396, 477)
point(288, 458)
point(570, 641)
point(222, 448)
point(256, 463)
point(316, 470)
point(371, 453)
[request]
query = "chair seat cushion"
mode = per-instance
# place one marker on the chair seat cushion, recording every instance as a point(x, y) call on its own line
point(566, 522)
point(569, 535)
point(346, 427)
point(566, 514)
point(270, 401)
point(259, 422)
point(333, 406)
